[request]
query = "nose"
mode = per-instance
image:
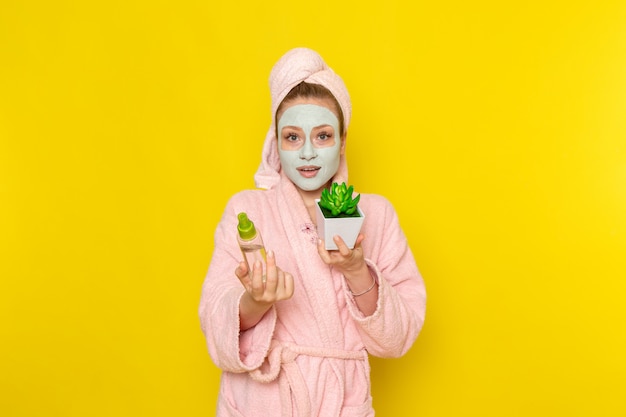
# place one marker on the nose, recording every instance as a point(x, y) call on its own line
point(307, 152)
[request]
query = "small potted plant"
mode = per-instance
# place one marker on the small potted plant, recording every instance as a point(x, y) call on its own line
point(338, 213)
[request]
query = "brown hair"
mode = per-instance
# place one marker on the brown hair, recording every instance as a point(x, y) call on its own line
point(308, 90)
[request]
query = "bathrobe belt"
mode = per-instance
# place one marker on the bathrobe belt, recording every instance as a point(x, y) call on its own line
point(282, 356)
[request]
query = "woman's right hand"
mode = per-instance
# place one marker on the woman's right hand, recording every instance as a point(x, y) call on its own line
point(260, 295)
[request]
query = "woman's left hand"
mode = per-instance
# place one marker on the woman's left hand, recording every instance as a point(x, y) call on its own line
point(347, 261)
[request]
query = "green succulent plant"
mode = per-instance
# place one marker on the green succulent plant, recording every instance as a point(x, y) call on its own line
point(338, 202)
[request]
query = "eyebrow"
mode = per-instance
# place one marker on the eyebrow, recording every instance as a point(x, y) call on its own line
point(300, 127)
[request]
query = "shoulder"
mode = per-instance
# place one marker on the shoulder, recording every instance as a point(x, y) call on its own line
point(258, 204)
point(248, 197)
point(379, 212)
point(375, 202)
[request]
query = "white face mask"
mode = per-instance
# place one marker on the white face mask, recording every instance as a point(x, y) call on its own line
point(309, 145)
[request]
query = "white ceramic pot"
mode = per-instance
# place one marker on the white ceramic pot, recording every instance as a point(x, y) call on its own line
point(346, 227)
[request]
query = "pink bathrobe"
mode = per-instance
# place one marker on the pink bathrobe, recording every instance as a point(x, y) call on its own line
point(308, 356)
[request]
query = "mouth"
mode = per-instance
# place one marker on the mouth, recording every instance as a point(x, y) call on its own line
point(308, 171)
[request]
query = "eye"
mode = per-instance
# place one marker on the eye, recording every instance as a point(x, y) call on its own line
point(291, 137)
point(324, 136)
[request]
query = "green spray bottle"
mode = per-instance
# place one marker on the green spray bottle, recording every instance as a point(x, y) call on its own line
point(250, 242)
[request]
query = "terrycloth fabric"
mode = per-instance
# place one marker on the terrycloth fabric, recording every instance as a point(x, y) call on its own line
point(308, 356)
point(296, 66)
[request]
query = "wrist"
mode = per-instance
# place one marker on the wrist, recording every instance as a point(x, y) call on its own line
point(252, 306)
point(365, 291)
point(357, 274)
point(251, 311)
point(361, 282)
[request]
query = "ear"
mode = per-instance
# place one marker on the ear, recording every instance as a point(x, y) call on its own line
point(343, 143)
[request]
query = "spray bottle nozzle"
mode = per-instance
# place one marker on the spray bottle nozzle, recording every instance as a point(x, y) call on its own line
point(245, 227)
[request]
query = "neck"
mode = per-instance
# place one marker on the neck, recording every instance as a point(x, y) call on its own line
point(309, 197)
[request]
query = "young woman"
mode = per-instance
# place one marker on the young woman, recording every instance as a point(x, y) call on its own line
point(296, 342)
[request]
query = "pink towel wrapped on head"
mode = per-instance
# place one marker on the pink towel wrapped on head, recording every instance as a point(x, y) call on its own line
point(308, 356)
point(296, 66)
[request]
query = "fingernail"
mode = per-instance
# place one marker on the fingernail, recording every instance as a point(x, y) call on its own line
point(270, 253)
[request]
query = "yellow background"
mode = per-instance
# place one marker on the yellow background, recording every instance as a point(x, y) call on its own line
point(497, 129)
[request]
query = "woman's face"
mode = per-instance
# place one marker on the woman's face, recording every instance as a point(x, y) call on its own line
point(309, 142)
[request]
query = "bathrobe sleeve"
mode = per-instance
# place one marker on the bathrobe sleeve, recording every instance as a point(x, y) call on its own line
point(219, 304)
point(391, 330)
